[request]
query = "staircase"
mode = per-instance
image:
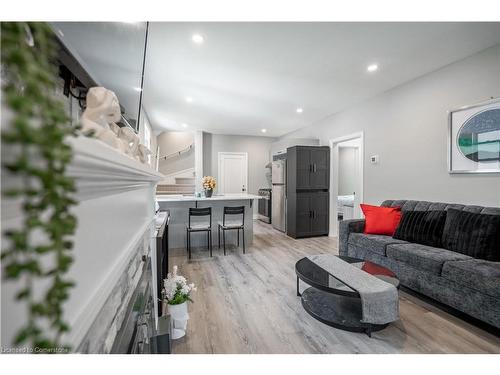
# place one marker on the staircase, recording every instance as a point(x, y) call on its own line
point(182, 186)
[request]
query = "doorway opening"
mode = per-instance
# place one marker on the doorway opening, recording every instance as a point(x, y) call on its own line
point(346, 181)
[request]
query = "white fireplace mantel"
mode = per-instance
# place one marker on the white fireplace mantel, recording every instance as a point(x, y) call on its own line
point(101, 170)
point(115, 214)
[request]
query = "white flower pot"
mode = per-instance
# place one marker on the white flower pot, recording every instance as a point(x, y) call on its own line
point(178, 317)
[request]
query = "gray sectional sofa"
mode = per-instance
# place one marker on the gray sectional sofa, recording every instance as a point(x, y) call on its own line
point(467, 284)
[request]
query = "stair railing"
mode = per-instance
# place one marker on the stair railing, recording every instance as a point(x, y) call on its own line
point(177, 153)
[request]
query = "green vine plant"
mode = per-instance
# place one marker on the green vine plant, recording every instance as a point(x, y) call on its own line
point(38, 253)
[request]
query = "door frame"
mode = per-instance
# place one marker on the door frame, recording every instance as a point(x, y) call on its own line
point(334, 175)
point(198, 159)
point(220, 174)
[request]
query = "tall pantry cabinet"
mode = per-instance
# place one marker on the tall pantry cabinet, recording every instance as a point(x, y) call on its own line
point(308, 197)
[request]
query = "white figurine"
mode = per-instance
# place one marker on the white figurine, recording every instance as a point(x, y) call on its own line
point(98, 119)
point(115, 128)
point(130, 139)
point(102, 109)
point(142, 153)
point(123, 146)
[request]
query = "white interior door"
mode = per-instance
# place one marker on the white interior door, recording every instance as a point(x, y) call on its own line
point(233, 173)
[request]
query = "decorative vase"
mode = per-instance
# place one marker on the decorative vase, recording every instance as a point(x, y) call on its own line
point(178, 319)
point(208, 193)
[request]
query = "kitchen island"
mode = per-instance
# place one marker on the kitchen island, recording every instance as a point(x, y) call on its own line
point(179, 205)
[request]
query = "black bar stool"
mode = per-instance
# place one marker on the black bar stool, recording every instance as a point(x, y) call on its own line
point(199, 226)
point(232, 225)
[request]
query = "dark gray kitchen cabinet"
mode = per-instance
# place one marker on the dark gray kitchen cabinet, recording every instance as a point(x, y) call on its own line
point(303, 215)
point(308, 180)
point(320, 168)
point(319, 205)
point(308, 214)
point(302, 173)
point(308, 167)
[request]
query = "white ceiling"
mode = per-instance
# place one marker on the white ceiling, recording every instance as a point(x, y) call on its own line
point(249, 76)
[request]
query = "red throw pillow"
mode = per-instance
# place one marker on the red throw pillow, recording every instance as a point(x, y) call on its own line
point(381, 220)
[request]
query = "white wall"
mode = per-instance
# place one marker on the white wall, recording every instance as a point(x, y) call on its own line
point(258, 149)
point(171, 142)
point(282, 144)
point(348, 170)
point(407, 128)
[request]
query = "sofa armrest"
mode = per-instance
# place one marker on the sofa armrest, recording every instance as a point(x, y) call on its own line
point(346, 228)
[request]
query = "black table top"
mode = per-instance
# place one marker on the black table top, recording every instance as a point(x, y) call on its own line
point(317, 277)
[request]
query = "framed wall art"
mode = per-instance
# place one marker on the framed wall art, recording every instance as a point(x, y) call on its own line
point(474, 138)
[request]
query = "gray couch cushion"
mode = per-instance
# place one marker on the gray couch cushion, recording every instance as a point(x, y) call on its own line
point(482, 275)
point(373, 242)
point(427, 258)
point(409, 205)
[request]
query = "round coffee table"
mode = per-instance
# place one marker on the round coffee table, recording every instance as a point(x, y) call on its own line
point(333, 302)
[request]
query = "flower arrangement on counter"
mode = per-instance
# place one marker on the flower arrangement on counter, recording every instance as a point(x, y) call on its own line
point(176, 289)
point(209, 183)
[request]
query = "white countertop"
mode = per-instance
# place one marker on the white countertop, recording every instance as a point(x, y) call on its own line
point(192, 198)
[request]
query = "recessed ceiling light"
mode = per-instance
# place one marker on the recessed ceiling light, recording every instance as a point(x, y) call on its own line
point(197, 38)
point(372, 68)
point(184, 125)
point(299, 110)
point(263, 130)
point(189, 99)
point(137, 89)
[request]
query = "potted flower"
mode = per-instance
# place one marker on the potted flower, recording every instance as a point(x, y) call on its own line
point(176, 292)
point(209, 185)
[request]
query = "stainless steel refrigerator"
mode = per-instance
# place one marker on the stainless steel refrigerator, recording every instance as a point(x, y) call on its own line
point(278, 179)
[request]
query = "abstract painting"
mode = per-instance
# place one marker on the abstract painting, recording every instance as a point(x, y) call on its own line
point(474, 139)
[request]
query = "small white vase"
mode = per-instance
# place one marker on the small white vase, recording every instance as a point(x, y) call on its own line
point(178, 319)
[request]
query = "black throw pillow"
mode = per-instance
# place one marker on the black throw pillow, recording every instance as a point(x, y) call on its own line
point(476, 235)
point(423, 227)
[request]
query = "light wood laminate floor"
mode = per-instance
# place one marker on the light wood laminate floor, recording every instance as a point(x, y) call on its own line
point(248, 304)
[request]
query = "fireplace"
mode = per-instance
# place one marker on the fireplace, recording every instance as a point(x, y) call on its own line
point(138, 323)
point(138, 334)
